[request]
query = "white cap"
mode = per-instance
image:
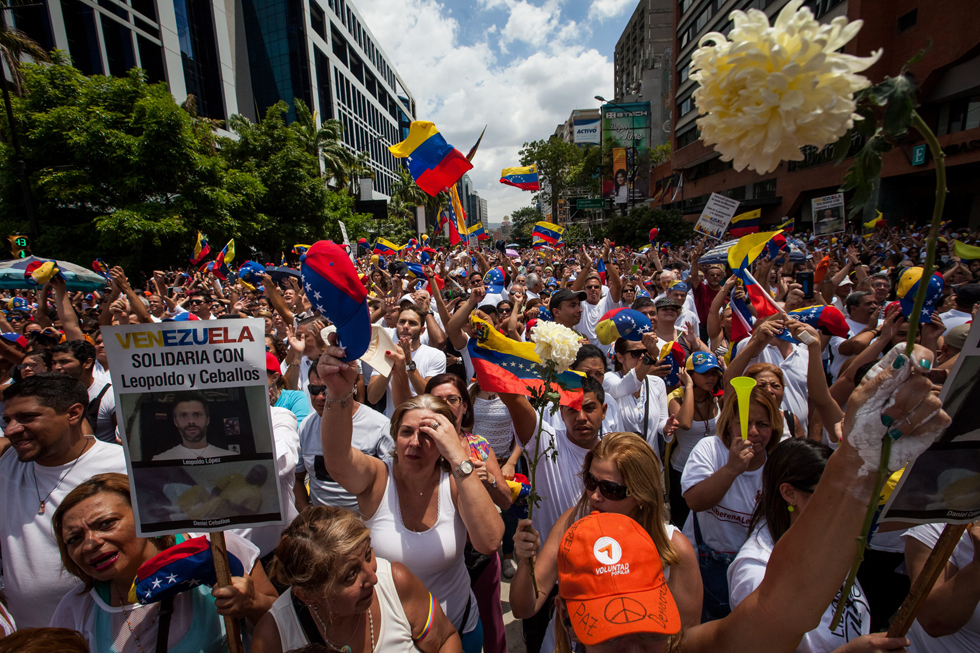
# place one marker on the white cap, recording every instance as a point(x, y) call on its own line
point(847, 282)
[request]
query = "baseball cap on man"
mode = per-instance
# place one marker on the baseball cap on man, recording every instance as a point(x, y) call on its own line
point(612, 581)
point(968, 294)
point(954, 338)
point(563, 295)
point(333, 288)
point(665, 302)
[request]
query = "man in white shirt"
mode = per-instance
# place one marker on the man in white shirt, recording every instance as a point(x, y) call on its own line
point(566, 307)
point(45, 458)
point(77, 359)
point(534, 286)
point(596, 304)
point(371, 434)
point(966, 299)
point(191, 417)
point(862, 308)
point(422, 362)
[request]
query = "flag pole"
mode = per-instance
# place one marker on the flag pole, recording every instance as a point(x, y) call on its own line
point(219, 552)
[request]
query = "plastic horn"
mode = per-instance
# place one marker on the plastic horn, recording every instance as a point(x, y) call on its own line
point(743, 389)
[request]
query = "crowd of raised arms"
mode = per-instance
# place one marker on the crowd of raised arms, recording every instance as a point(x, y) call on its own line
point(660, 528)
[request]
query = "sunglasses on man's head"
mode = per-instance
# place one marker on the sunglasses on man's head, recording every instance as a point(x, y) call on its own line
point(608, 489)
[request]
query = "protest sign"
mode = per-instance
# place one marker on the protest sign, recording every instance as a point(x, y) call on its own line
point(942, 485)
point(192, 406)
point(828, 214)
point(716, 215)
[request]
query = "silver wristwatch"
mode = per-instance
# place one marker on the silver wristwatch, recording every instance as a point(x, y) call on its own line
point(465, 469)
point(410, 366)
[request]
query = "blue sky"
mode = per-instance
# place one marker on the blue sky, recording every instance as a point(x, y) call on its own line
point(517, 66)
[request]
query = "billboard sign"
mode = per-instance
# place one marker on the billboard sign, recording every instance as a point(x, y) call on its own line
point(628, 126)
point(586, 132)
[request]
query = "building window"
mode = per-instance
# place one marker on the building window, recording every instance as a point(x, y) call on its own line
point(151, 59)
point(908, 20)
point(339, 45)
point(764, 188)
point(119, 52)
point(357, 67)
point(317, 20)
point(959, 115)
point(687, 106)
point(683, 74)
point(686, 138)
point(703, 19)
point(685, 37)
point(83, 39)
point(737, 193)
point(685, 5)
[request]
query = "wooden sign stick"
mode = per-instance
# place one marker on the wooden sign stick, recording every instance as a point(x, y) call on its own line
point(223, 572)
point(935, 564)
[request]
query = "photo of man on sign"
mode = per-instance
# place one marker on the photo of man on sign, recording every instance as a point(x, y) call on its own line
point(191, 417)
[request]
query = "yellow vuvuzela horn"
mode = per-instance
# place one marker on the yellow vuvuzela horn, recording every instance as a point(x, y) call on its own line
point(743, 389)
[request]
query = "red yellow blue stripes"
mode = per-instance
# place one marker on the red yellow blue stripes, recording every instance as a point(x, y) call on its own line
point(433, 163)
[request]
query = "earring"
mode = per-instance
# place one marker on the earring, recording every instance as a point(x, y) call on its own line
point(790, 508)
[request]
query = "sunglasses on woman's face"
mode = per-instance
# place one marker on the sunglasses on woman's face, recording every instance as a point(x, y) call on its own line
point(636, 353)
point(608, 489)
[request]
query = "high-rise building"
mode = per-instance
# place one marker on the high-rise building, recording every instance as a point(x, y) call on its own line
point(642, 62)
point(582, 127)
point(241, 57)
point(949, 94)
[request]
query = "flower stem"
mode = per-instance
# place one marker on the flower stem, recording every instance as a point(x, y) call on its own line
point(533, 494)
point(920, 299)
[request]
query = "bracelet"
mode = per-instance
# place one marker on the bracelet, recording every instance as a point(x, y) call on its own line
point(344, 402)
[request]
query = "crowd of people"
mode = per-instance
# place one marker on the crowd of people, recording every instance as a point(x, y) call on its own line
point(661, 527)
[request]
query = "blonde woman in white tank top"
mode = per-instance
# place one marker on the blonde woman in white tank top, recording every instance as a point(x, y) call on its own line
point(345, 597)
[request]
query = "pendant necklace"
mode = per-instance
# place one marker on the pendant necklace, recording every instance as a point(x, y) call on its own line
point(345, 647)
point(41, 502)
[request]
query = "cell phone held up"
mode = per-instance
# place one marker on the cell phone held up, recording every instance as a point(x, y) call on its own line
point(805, 279)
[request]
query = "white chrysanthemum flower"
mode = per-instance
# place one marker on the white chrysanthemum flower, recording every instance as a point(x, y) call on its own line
point(767, 91)
point(556, 343)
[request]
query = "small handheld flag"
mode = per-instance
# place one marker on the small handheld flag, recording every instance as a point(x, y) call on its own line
point(525, 178)
point(100, 266)
point(201, 249)
point(745, 223)
point(549, 232)
point(177, 570)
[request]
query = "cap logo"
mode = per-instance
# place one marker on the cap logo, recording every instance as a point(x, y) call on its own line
point(607, 551)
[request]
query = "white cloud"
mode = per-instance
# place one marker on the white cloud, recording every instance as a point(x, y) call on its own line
point(463, 86)
point(603, 10)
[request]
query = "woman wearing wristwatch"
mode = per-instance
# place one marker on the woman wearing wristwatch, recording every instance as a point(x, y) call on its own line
point(421, 504)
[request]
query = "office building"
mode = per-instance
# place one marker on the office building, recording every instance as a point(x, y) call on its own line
point(474, 205)
point(241, 57)
point(581, 128)
point(949, 78)
point(642, 63)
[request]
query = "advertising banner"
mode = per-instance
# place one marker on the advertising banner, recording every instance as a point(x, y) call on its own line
point(586, 132)
point(628, 126)
point(620, 188)
point(943, 484)
point(716, 215)
point(828, 214)
point(192, 404)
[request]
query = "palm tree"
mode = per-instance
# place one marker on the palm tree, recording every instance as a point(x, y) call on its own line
point(15, 44)
point(406, 190)
point(321, 140)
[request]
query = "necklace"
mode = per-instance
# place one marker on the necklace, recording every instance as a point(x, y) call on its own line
point(345, 647)
point(371, 623)
point(133, 633)
point(40, 501)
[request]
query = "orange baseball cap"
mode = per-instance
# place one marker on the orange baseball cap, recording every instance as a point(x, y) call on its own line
point(612, 580)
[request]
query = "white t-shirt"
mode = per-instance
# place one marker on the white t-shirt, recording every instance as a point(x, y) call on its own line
point(429, 362)
point(955, 318)
point(34, 578)
point(725, 526)
point(371, 436)
point(105, 429)
point(287, 443)
point(747, 571)
point(794, 369)
point(619, 390)
point(559, 481)
point(591, 316)
point(967, 638)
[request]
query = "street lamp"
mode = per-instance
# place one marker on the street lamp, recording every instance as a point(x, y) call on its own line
point(632, 115)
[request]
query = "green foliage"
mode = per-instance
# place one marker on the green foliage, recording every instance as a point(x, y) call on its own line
point(576, 235)
point(633, 229)
point(557, 162)
point(118, 169)
point(522, 224)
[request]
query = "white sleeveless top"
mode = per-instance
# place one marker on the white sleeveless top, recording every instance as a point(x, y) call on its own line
point(491, 419)
point(435, 556)
point(394, 633)
point(687, 439)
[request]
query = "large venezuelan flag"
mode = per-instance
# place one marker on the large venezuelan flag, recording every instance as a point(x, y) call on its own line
point(505, 365)
point(433, 163)
point(477, 231)
point(745, 223)
point(524, 178)
point(748, 248)
point(548, 232)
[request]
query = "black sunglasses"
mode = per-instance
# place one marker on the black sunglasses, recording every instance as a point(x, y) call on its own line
point(316, 390)
point(195, 302)
point(608, 489)
point(636, 353)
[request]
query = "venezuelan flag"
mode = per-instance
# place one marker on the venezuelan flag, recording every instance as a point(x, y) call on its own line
point(742, 319)
point(201, 249)
point(761, 301)
point(178, 569)
point(662, 193)
point(965, 252)
point(219, 267)
point(748, 248)
point(478, 232)
point(98, 265)
point(282, 259)
point(548, 232)
point(414, 270)
point(505, 365)
point(523, 178)
point(433, 163)
point(775, 245)
point(299, 250)
point(878, 221)
point(672, 354)
point(787, 227)
point(541, 244)
point(457, 218)
point(745, 223)
point(386, 248)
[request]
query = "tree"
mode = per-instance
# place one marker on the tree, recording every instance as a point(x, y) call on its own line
point(576, 235)
point(321, 141)
point(522, 224)
point(556, 161)
point(633, 229)
point(15, 45)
